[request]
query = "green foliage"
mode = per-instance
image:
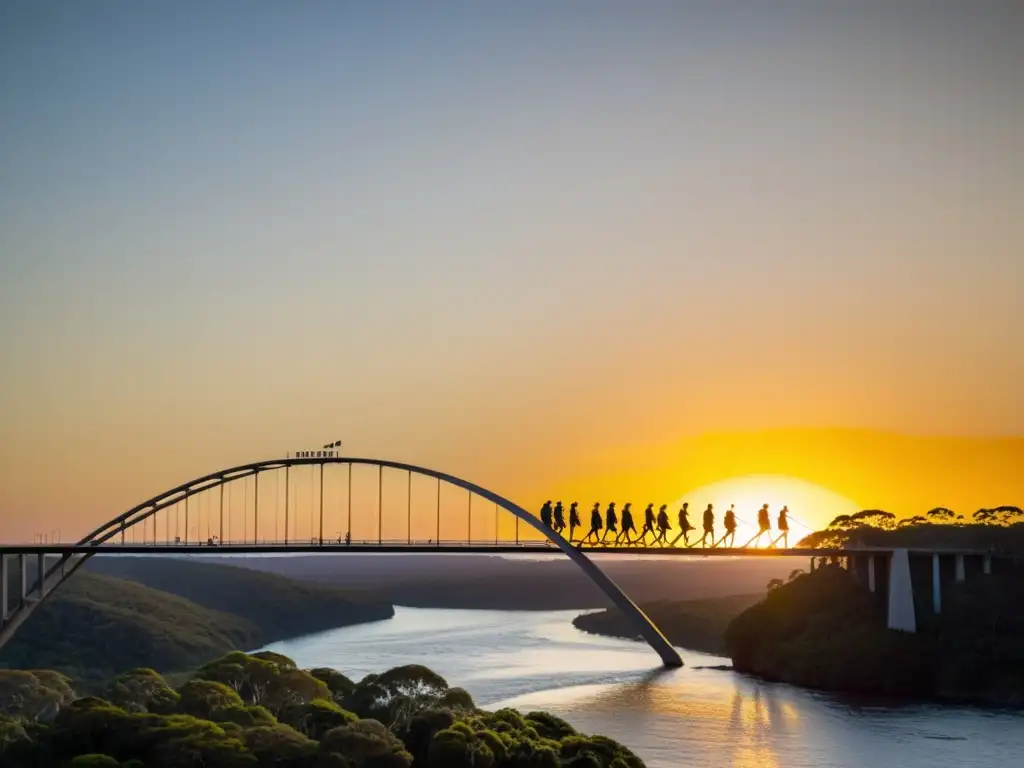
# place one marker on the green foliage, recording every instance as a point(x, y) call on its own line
point(338, 684)
point(259, 680)
point(93, 761)
point(315, 718)
point(277, 606)
point(142, 690)
point(33, 694)
point(95, 627)
point(367, 744)
point(213, 723)
point(824, 630)
point(202, 698)
point(394, 696)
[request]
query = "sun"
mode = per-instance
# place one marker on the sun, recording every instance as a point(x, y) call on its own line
point(811, 506)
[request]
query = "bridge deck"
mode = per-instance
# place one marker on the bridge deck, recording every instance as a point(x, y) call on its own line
point(530, 548)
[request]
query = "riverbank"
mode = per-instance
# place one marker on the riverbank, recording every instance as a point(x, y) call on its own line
point(825, 631)
point(695, 624)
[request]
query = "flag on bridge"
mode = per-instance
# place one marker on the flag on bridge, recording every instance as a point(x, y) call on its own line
point(336, 444)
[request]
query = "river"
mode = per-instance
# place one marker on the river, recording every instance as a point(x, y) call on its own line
point(670, 718)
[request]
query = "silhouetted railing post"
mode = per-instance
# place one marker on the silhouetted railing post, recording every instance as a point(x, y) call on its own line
point(256, 508)
point(495, 523)
point(220, 530)
point(287, 500)
point(187, 492)
point(350, 501)
point(408, 509)
point(321, 503)
point(438, 512)
point(380, 505)
point(469, 526)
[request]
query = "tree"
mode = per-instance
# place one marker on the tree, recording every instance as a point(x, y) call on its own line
point(315, 718)
point(204, 698)
point(368, 744)
point(397, 694)
point(142, 690)
point(33, 695)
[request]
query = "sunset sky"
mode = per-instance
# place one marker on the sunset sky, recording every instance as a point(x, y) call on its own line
point(600, 251)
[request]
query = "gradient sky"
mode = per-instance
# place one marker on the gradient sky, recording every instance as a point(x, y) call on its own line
point(550, 246)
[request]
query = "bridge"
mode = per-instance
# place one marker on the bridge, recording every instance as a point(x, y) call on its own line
point(431, 508)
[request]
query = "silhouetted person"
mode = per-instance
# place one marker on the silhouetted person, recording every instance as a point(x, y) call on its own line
point(648, 523)
point(545, 513)
point(684, 525)
point(663, 525)
point(596, 523)
point(627, 524)
point(611, 521)
point(783, 527)
point(709, 526)
point(730, 527)
point(764, 525)
point(559, 517)
point(574, 519)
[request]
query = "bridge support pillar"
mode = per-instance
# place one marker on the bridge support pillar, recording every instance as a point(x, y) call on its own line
point(23, 573)
point(42, 574)
point(871, 572)
point(961, 575)
point(986, 565)
point(3, 589)
point(936, 584)
point(901, 593)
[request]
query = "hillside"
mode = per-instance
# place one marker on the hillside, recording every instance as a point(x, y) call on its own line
point(281, 607)
point(95, 626)
point(695, 624)
point(172, 616)
point(529, 583)
point(824, 630)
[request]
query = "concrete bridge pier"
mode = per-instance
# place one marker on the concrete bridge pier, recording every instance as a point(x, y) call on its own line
point(901, 593)
point(3, 590)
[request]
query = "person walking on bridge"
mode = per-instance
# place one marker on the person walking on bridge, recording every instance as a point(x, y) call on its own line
point(648, 524)
point(783, 527)
point(627, 524)
point(545, 514)
point(730, 527)
point(611, 522)
point(559, 517)
point(684, 525)
point(709, 527)
point(596, 523)
point(764, 525)
point(574, 519)
point(663, 525)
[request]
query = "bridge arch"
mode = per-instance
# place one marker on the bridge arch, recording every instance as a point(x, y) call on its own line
point(68, 564)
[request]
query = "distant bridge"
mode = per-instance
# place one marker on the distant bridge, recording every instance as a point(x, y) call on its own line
point(41, 568)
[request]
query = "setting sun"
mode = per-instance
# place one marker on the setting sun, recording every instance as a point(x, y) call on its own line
point(811, 506)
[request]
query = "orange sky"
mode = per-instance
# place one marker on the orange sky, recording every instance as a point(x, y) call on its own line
point(600, 253)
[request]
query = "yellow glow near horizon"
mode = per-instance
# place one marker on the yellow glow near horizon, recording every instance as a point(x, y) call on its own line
point(811, 506)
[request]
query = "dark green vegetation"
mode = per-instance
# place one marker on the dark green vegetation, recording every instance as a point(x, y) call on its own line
point(695, 624)
point(260, 710)
point(96, 625)
point(1000, 530)
point(824, 630)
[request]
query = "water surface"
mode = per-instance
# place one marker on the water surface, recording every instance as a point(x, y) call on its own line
point(670, 718)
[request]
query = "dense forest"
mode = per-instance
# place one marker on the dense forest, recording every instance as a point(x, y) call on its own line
point(825, 630)
point(257, 710)
point(695, 624)
point(97, 625)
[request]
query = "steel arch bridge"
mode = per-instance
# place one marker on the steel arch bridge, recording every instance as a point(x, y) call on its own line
point(55, 564)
